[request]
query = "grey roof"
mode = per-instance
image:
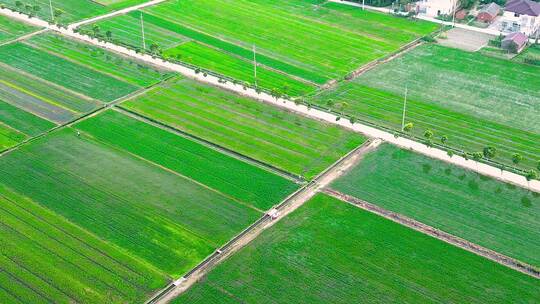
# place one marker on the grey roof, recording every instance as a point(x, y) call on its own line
point(493, 9)
point(519, 38)
point(523, 7)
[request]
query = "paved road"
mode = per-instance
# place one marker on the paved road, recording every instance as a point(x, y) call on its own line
point(369, 131)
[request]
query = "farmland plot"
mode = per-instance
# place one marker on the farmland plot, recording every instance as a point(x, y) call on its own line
point(59, 78)
point(242, 181)
point(167, 211)
point(11, 29)
point(16, 125)
point(465, 131)
point(331, 252)
point(72, 10)
point(484, 211)
point(64, 73)
point(47, 259)
point(305, 49)
point(292, 143)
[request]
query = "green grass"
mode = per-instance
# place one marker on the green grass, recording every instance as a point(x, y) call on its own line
point(532, 52)
point(47, 259)
point(232, 177)
point(489, 88)
point(22, 121)
point(11, 29)
point(72, 10)
point(289, 142)
point(464, 130)
point(41, 98)
point(155, 215)
point(331, 252)
point(224, 64)
point(490, 213)
point(57, 70)
point(96, 58)
point(9, 136)
point(313, 46)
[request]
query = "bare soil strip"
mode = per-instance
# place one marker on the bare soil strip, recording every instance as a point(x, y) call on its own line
point(288, 205)
point(441, 235)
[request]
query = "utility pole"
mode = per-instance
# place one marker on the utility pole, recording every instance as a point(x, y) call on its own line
point(52, 12)
point(142, 30)
point(363, 5)
point(404, 108)
point(454, 14)
point(255, 65)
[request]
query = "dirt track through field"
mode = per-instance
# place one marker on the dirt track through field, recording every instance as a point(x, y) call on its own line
point(439, 234)
point(291, 203)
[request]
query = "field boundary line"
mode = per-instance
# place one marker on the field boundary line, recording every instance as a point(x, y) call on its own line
point(252, 161)
point(279, 211)
point(24, 37)
point(438, 234)
point(371, 130)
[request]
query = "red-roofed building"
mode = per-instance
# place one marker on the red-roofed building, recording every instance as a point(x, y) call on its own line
point(515, 42)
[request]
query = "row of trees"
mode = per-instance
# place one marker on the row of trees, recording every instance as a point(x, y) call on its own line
point(33, 9)
point(488, 152)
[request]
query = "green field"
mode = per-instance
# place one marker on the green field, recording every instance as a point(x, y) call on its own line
point(72, 10)
point(57, 70)
point(157, 196)
point(502, 114)
point(331, 252)
point(244, 182)
point(224, 64)
point(17, 125)
point(290, 142)
point(95, 58)
point(532, 52)
point(11, 29)
point(316, 42)
point(60, 79)
point(48, 259)
point(484, 211)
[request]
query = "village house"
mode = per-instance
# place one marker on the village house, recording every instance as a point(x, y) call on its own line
point(435, 8)
point(514, 42)
point(521, 16)
point(488, 12)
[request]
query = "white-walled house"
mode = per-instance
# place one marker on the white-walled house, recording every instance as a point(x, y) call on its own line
point(434, 8)
point(521, 16)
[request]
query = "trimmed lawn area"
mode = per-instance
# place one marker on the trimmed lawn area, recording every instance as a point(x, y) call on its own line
point(317, 42)
point(11, 29)
point(290, 142)
point(232, 177)
point(484, 211)
point(48, 259)
point(155, 215)
point(328, 251)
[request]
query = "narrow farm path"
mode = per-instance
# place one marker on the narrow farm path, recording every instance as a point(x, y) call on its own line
point(436, 233)
point(482, 168)
point(23, 37)
point(116, 13)
point(291, 203)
